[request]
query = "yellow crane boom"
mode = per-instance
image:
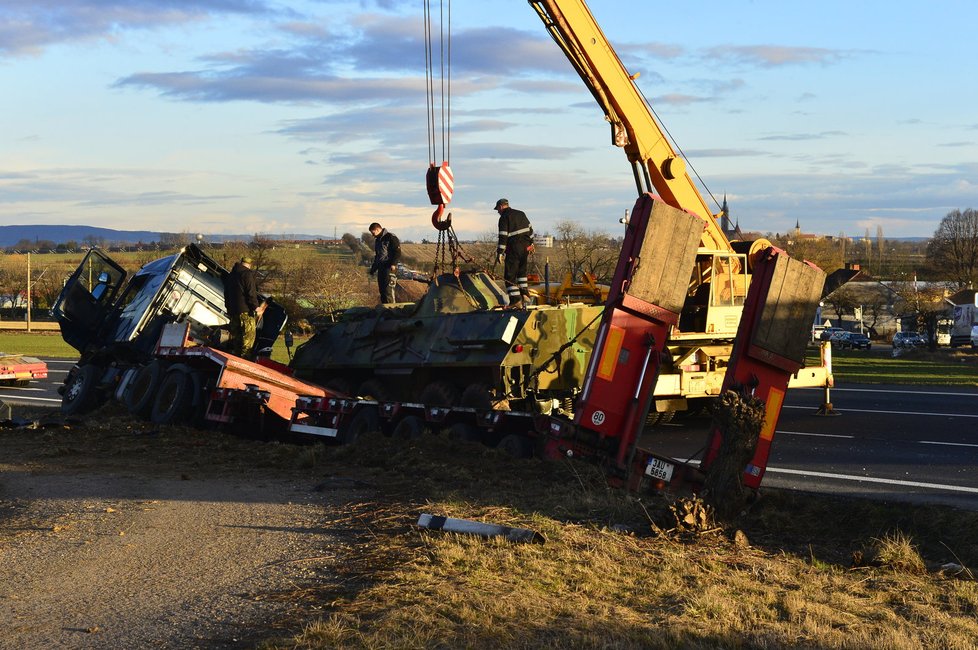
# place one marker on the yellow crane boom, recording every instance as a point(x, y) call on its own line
point(655, 164)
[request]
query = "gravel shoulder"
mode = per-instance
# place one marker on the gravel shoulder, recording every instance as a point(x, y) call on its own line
point(111, 537)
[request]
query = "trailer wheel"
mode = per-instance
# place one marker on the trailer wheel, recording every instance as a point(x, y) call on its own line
point(465, 432)
point(439, 393)
point(410, 427)
point(516, 445)
point(80, 394)
point(174, 401)
point(142, 389)
point(366, 420)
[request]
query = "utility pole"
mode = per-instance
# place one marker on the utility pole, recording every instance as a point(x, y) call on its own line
point(28, 291)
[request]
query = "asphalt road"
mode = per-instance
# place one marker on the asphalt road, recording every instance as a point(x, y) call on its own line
point(912, 443)
point(38, 393)
point(909, 443)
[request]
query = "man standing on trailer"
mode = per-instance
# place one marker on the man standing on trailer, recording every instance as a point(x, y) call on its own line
point(387, 253)
point(241, 301)
point(515, 246)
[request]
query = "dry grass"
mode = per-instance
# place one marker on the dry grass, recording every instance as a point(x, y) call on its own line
point(603, 579)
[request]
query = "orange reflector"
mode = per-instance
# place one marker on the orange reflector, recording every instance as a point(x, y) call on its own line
point(771, 411)
point(609, 356)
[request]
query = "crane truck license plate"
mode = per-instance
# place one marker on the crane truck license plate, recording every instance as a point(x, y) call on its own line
point(659, 469)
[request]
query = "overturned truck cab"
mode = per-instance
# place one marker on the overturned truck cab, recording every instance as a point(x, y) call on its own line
point(114, 319)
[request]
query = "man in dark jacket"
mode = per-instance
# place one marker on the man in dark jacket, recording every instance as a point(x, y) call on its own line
point(241, 301)
point(515, 245)
point(387, 253)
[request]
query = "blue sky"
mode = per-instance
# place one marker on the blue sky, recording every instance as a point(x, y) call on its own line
point(244, 116)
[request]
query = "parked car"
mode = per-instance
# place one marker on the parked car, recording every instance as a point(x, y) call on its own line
point(974, 337)
point(835, 337)
point(909, 340)
point(854, 341)
point(827, 333)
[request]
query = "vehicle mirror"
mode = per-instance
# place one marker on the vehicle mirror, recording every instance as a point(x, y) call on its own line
point(289, 339)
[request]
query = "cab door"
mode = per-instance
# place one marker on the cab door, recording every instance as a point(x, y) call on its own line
point(87, 298)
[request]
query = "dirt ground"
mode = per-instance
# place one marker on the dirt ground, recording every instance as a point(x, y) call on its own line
point(114, 534)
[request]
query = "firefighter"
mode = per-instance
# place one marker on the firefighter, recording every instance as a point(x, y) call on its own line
point(515, 246)
point(241, 301)
point(387, 253)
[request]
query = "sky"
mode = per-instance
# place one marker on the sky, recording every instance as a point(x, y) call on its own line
point(258, 116)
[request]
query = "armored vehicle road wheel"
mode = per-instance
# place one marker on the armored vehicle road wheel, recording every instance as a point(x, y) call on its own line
point(373, 389)
point(476, 396)
point(174, 401)
point(439, 393)
point(364, 421)
point(340, 385)
point(410, 427)
point(81, 392)
point(141, 393)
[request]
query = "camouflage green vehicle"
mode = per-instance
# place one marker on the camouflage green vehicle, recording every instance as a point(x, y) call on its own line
point(457, 346)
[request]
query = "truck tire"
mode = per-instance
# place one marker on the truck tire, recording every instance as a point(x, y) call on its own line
point(141, 393)
point(174, 401)
point(364, 421)
point(81, 393)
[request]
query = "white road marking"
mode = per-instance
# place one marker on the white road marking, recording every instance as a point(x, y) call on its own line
point(873, 479)
point(849, 437)
point(851, 410)
point(889, 390)
point(860, 479)
point(816, 435)
point(949, 444)
point(12, 399)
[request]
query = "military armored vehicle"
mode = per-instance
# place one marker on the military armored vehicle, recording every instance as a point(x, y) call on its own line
point(457, 346)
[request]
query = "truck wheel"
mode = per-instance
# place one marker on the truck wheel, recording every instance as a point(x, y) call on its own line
point(366, 420)
point(410, 427)
point(439, 393)
point(81, 395)
point(174, 402)
point(141, 393)
point(516, 445)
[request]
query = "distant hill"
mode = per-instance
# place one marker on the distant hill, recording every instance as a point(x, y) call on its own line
point(87, 235)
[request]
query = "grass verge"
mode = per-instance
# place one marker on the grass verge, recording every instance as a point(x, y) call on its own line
point(37, 344)
point(804, 571)
point(943, 367)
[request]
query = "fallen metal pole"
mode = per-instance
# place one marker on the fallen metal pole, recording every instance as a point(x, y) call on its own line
point(468, 527)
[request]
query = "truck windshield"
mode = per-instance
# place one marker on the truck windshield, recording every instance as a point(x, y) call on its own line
point(139, 296)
